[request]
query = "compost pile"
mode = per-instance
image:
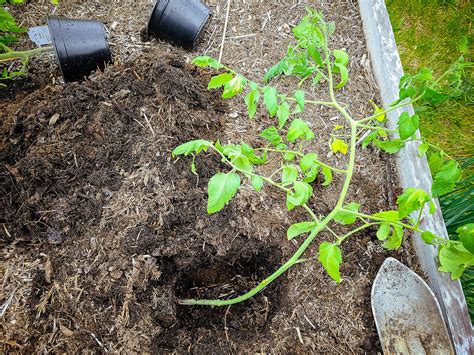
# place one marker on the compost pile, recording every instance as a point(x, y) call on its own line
point(103, 230)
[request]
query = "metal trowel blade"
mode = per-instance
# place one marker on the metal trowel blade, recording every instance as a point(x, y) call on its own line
point(406, 312)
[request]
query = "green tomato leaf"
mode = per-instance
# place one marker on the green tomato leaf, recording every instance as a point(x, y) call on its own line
point(428, 237)
point(317, 78)
point(257, 182)
point(219, 80)
point(310, 167)
point(300, 194)
point(270, 98)
point(395, 239)
point(299, 129)
point(422, 149)
point(435, 162)
point(234, 87)
point(432, 207)
point(289, 156)
point(341, 57)
point(407, 125)
point(391, 147)
point(344, 75)
point(377, 110)
point(466, 236)
point(195, 146)
point(299, 97)
point(445, 179)
point(283, 113)
point(411, 200)
point(251, 100)
point(289, 174)
point(327, 173)
point(271, 134)
point(331, 258)
point(383, 231)
point(315, 55)
point(346, 217)
point(8, 23)
point(308, 161)
point(206, 61)
point(300, 228)
point(338, 145)
point(221, 189)
point(369, 139)
point(276, 70)
point(392, 216)
point(455, 258)
point(243, 163)
point(231, 150)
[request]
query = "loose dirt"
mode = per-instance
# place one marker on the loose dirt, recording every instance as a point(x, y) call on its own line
point(102, 230)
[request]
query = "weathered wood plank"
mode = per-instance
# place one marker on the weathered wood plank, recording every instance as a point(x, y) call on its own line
point(414, 172)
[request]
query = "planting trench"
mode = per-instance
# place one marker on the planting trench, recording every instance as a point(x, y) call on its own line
point(104, 230)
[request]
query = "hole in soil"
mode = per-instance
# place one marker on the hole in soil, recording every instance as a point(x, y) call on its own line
point(246, 265)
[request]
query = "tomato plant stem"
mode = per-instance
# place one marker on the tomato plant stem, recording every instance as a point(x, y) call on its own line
point(393, 108)
point(24, 55)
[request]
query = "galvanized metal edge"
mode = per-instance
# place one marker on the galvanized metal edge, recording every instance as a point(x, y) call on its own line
point(414, 172)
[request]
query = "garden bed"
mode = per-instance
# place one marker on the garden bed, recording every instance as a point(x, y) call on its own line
point(104, 230)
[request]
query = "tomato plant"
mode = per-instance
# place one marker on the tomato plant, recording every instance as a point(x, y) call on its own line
point(291, 138)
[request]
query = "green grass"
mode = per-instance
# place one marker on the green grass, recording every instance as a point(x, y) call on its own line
point(428, 34)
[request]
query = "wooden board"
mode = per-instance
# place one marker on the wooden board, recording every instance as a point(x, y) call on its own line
point(414, 172)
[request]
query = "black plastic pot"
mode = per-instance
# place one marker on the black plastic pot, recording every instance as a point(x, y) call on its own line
point(179, 21)
point(81, 46)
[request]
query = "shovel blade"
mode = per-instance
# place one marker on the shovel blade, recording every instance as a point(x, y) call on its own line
point(406, 312)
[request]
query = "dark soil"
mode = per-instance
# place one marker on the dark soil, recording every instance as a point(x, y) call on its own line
point(102, 231)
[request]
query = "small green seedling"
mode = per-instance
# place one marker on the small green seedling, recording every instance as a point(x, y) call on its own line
point(291, 138)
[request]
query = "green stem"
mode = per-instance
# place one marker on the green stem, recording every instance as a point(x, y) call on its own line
point(311, 213)
point(344, 237)
point(393, 108)
point(434, 146)
point(314, 102)
point(420, 213)
point(25, 55)
point(376, 128)
point(401, 224)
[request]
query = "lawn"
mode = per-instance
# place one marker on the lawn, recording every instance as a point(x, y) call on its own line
point(428, 35)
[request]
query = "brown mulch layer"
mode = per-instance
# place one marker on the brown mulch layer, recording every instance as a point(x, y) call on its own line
point(102, 230)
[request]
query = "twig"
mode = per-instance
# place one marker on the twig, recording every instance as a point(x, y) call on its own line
point(4, 307)
point(149, 124)
point(225, 324)
point(298, 331)
point(225, 30)
point(11, 343)
point(311, 324)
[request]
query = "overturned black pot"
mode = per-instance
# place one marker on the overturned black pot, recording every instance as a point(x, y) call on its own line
point(81, 46)
point(179, 21)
